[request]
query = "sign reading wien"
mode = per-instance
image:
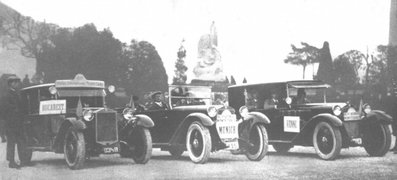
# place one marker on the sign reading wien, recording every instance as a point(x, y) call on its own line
point(53, 107)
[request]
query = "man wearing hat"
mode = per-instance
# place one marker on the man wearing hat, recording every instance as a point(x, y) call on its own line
point(14, 121)
point(157, 103)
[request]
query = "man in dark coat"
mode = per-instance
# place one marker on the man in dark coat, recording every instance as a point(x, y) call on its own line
point(157, 103)
point(12, 108)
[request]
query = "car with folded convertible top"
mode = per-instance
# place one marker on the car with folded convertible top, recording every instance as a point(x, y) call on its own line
point(327, 126)
point(71, 117)
point(193, 124)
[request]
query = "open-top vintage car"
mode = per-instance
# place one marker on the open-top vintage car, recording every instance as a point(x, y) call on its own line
point(71, 117)
point(302, 116)
point(191, 123)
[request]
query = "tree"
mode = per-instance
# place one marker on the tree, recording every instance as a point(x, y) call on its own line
point(30, 36)
point(325, 70)
point(303, 56)
point(232, 81)
point(180, 67)
point(245, 80)
point(227, 80)
point(347, 67)
point(144, 69)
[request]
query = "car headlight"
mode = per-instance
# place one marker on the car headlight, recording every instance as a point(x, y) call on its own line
point(367, 108)
point(111, 89)
point(288, 100)
point(212, 111)
point(88, 115)
point(337, 110)
point(243, 111)
point(53, 90)
point(128, 113)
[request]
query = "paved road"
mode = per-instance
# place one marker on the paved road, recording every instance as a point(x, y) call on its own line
point(300, 163)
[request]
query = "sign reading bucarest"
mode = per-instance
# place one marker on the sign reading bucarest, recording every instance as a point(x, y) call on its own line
point(53, 107)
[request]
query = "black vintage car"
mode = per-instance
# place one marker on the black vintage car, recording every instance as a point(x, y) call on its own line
point(71, 117)
point(302, 116)
point(191, 123)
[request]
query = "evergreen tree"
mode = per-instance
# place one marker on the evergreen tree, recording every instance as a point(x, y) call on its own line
point(227, 80)
point(245, 80)
point(325, 70)
point(180, 67)
point(232, 81)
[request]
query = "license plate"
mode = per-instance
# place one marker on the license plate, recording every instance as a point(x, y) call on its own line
point(110, 150)
point(227, 130)
point(351, 116)
point(232, 145)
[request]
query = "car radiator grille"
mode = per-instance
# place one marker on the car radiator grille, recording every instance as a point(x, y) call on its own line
point(106, 127)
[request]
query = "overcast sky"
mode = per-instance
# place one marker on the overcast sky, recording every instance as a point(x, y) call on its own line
point(254, 36)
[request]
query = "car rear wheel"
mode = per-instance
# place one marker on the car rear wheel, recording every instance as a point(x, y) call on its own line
point(140, 142)
point(176, 152)
point(377, 139)
point(327, 141)
point(74, 148)
point(259, 141)
point(282, 147)
point(198, 143)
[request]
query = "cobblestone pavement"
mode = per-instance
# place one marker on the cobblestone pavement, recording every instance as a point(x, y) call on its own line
point(300, 163)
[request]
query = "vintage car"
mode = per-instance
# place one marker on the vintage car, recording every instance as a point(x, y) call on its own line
point(314, 121)
point(191, 123)
point(71, 117)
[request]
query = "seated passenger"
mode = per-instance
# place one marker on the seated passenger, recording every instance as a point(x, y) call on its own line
point(138, 107)
point(301, 97)
point(157, 103)
point(271, 103)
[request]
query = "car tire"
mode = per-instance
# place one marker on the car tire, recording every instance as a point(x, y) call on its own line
point(198, 143)
point(74, 148)
point(258, 137)
point(176, 152)
point(377, 139)
point(141, 141)
point(125, 151)
point(327, 140)
point(282, 147)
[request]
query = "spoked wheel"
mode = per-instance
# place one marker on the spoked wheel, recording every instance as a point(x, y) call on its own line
point(140, 144)
point(377, 139)
point(327, 141)
point(282, 147)
point(176, 152)
point(259, 141)
point(74, 148)
point(198, 143)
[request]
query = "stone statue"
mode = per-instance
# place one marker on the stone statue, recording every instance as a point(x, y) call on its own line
point(209, 66)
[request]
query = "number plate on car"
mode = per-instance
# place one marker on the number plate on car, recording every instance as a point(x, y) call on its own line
point(351, 116)
point(232, 145)
point(110, 150)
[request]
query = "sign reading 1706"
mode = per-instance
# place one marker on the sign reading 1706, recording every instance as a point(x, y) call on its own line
point(53, 107)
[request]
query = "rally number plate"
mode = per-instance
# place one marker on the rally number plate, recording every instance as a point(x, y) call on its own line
point(351, 116)
point(110, 150)
point(232, 145)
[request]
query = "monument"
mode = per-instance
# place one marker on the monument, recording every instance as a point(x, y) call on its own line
point(209, 66)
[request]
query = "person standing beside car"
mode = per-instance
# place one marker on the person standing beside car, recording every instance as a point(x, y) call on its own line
point(12, 108)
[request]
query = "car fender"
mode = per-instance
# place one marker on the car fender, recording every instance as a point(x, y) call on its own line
point(327, 117)
point(71, 121)
point(179, 135)
point(257, 117)
point(144, 121)
point(381, 116)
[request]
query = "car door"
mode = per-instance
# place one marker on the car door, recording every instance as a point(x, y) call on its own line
point(161, 132)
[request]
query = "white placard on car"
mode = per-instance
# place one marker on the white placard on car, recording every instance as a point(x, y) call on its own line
point(292, 124)
point(53, 107)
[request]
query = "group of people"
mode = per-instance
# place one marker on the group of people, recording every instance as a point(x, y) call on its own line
point(12, 119)
point(273, 101)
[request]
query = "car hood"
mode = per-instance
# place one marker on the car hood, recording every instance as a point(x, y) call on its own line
point(324, 105)
point(195, 107)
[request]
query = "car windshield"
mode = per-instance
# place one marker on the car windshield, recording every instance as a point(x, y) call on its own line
point(307, 95)
point(88, 97)
point(190, 95)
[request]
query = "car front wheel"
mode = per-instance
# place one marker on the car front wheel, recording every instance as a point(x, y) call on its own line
point(259, 141)
point(198, 143)
point(140, 142)
point(74, 148)
point(327, 141)
point(377, 139)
